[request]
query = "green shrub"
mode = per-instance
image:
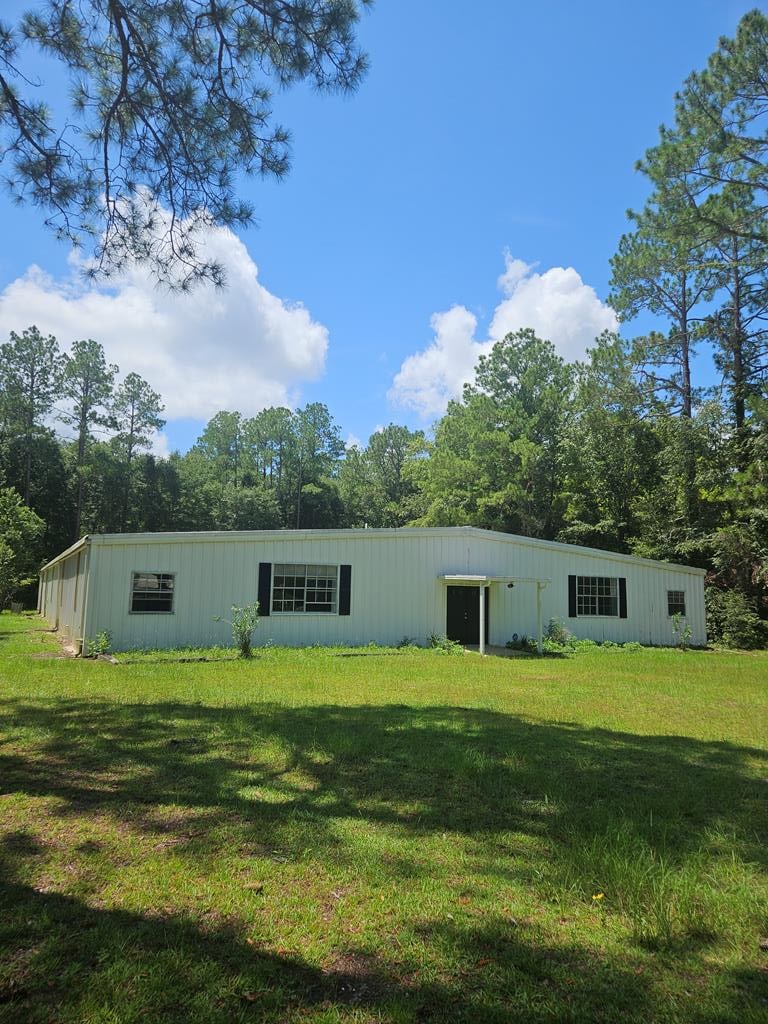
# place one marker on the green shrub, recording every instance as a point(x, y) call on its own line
point(406, 643)
point(557, 633)
point(525, 643)
point(10, 579)
point(243, 622)
point(100, 645)
point(681, 631)
point(441, 643)
point(733, 621)
point(582, 644)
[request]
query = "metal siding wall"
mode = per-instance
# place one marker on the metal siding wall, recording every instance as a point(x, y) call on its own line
point(395, 589)
point(62, 584)
point(647, 620)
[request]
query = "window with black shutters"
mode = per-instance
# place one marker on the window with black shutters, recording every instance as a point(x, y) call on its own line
point(152, 592)
point(675, 602)
point(304, 588)
point(597, 595)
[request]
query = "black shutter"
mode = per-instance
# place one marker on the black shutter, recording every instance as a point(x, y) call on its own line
point(345, 589)
point(572, 597)
point(622, 597)
point(265, 586)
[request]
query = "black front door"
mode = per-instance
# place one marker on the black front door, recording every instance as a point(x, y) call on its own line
point(463, 615)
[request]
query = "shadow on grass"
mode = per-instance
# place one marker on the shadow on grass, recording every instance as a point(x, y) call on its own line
point(281, 779)
point(367, 653)
point(513, 652)
point(202, 659)
point(8, 634)
point(106, 964)
point(71, 961)
point(464, 770)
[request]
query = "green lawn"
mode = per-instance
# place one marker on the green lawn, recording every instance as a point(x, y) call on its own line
point(371, 835)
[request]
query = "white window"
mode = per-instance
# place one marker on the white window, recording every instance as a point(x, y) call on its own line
point(597, 595)
point(305, 588)
point(675, 602)
point(152, 592)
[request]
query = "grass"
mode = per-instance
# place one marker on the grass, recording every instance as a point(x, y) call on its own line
point(359, 836)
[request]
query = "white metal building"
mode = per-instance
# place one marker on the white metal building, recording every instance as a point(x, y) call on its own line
point(155, 590)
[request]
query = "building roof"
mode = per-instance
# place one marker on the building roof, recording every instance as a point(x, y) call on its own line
point(104, 539)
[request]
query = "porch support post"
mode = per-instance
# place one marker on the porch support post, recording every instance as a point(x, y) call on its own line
point(482, 619)
point(540, 641)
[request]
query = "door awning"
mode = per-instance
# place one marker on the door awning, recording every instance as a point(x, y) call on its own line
point(481, 580)
point(474, 580)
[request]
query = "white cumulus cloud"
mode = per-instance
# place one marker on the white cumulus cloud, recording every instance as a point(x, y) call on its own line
point(159, 445)
point(557, 304)
point(238, 348)
point(427, 380)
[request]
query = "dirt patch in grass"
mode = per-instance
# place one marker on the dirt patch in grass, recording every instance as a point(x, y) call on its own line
point(356, 978)
point(57, 645)
point(333, 903)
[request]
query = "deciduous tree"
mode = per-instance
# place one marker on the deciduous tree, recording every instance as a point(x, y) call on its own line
point(374, 482)
point(611, 450)
point(497, 459)
point(20, 535)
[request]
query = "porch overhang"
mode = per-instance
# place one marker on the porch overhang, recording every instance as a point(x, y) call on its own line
point(470, 580)
point(483, 580)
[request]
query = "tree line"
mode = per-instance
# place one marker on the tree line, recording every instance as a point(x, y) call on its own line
point(626, 450)
point(589, 452)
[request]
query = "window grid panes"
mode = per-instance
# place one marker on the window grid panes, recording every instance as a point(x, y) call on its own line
point(676, 602)
point(152, 592)
point(597, 595)
point(304, 588)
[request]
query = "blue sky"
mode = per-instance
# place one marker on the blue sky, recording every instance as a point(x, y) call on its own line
point(482, 129)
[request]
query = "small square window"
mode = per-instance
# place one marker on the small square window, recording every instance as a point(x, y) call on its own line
point(675, 602)
point(152, 592)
